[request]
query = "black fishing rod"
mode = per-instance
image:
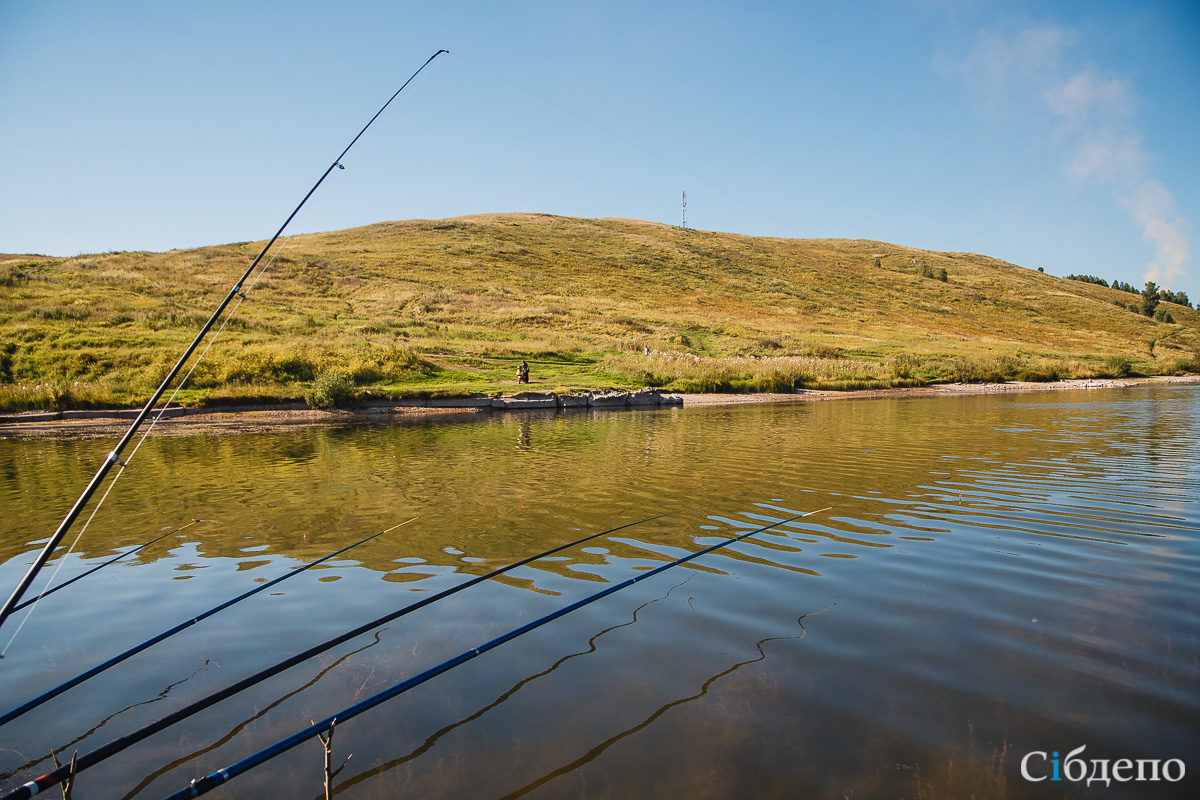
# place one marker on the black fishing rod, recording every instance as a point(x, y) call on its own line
point(99, 567)
point(114, 457)
point(209, 782)
point(117, 745)
point(133, 651)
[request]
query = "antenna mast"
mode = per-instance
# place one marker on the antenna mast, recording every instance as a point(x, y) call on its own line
point(684, 210)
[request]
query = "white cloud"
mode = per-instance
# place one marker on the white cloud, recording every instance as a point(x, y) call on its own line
point(1153, 207)
point(1004, 71)
point(1091, 115)
point(1114, 160)
point(1088, 96)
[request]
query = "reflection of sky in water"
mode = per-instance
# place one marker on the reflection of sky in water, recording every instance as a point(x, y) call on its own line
point(994, 571)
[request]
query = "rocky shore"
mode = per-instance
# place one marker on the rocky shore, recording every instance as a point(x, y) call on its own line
point(260, 416)
point(642, 398)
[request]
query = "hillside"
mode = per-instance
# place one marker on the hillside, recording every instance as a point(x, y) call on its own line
point(451, 306)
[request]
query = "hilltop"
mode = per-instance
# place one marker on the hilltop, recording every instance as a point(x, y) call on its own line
point(450, 306)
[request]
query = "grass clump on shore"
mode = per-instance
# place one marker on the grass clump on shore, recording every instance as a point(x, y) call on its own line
point(423, 308)
point(690, 373)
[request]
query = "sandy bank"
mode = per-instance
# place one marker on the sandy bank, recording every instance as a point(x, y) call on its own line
point(250, 419)
point(940, 390)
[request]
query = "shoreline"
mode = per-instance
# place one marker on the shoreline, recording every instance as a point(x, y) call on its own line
point(941, 390)
point(262, 417)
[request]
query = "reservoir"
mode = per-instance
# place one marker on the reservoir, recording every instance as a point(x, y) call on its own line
point(996, 578)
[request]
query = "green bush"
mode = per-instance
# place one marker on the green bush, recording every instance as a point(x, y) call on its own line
point(904, 366)
point(1191, 366)
point(1117, 367)
point(331, 389)
point(1034, 375)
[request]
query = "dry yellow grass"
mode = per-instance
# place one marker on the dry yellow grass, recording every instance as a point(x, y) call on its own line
point(450, 306)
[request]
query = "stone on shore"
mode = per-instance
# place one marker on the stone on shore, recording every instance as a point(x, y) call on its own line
point(526, 400)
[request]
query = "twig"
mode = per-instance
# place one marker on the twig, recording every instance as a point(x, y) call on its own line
point(69, 783)
point(330, 773)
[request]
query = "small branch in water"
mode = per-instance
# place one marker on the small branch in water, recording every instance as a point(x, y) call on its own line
point(330, 773)
point(68, 784)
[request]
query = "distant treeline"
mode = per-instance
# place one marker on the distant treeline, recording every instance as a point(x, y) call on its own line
point(1165, 295)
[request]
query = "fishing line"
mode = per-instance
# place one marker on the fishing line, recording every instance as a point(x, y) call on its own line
point(124, 464)
point(99, 567)
point(597, 750)
point(433, 739)
point(46, 590)
point(63, 748)
point(121, 743)
point(258, 714)
point(634, 145)
point(114, 456)
point(209, 782)
point(117, 659)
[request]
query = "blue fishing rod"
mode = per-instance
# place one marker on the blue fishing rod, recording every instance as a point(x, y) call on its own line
point(133, 651)
point(209, 782)
point(114, 457)
point(114, 747)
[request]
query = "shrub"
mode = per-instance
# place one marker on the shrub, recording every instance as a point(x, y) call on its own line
point(991, 370)
point(824, 351)
point(774, 381)
point(1117, 367)
point(331, 389)
point(1036, 375)
point(1191, 366)
point(11, 276)
point(768, 343)
point(905, 366)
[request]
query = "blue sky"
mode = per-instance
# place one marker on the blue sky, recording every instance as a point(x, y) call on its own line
point(1059, 135)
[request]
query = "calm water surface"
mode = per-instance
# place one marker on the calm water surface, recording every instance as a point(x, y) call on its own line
point(995, 576)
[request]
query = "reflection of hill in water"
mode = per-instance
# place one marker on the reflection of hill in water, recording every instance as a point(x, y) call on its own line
point(495, 489)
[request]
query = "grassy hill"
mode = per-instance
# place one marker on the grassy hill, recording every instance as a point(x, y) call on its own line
point(451, 306)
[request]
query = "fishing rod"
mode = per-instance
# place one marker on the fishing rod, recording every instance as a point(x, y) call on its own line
point(209, 782)
point(117, 659)
point(437, 736)
point(99, 567)
point(258, 714)
point(117, 745)
point(114, 457)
